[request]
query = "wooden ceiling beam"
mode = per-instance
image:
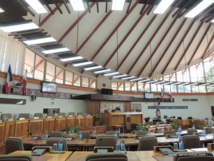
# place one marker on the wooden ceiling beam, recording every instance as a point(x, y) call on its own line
point(125, 37)
point(162, 39)
point(136, 42)
point(199, 44)
point(188, 46)
point(209, 19)
point(112, 33)
point(94, 30)
point(47, 5)
point(208, 45)
point(57, 7)
point(181, 41)
point(26, 8)
point(175, 6)
point(66, 6)
point(74, 24)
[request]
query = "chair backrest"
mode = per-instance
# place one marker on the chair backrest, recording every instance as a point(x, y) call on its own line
point(50, 114)
point(16, 157)
point(170, 132)
point(8, 115)
point(110, 132)
point(147, 143)
point(13, 144)
point(85, 134)
point(191, 141)
point(180, 118)
point(106, 140)
point(40, 115)
point(52, 141)
point(79, 113)
point(107, 157)
point(141, 133)
point(56, 134)
point(72, 113)
point(62, 114)
point(209, 130)
point(190, 117)
point(191, 131)
point(24, 115)
point(193, 156)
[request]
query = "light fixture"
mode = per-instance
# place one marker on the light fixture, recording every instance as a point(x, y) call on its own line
point(52, 51)
point(117, 5)
point(37, 6)
point(198, 8)
point(71, 58)
point(145, 80)
point(91, 68)
point(109, 74)
point(77, 5)
point(120, 76)
point(20, 27)
point(102, 71)
point(137, 79)
point(128, 78)
point(82, 64)
point(39, 41)
point(1, 10)
point(152, 81)
point(162, 6)
point(212, 20)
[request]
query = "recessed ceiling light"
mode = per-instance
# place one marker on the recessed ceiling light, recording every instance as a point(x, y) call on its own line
point(77, 5)
point(91, 68)
point(162, 6)
point(71, 58)
point(82, 64)
point(20, 27)
point(39, 41)
point(1, 10)
point(109, 74)
point(117, 5)
point(58, 50)
point(120, 76)
point(102, 71)
point(200, 7)
point(37, 6)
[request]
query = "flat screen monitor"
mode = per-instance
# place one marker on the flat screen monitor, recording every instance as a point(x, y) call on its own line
point(49, 87)
point(148, 95)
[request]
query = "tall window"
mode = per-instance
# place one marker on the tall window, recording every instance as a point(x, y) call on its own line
point(29, 63)
point(68, 78)
point(59, 75)
point(76, 81)
point(92, 83)
point(50, 72)
point(85, 82)
point(39, 68)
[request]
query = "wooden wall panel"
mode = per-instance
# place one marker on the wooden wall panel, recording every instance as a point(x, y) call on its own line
point(36, 127)
point(49, 124)
point(127, 106)
point(88, 121)
point(2, 133)
point(60, 124)
point(93, 107)
point(21, 128)
point(80, 121)
point(136, 119)
point(71, 122)
point(10, 129)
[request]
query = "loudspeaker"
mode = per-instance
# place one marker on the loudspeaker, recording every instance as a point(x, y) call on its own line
point(106, 91)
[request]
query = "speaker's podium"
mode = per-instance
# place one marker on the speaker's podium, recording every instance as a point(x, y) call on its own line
point(121, 118)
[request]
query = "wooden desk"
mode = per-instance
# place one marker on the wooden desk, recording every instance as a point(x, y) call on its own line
point(54, 157)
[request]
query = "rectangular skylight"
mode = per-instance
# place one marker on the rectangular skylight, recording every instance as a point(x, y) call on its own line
point(117, 5)
point(91, 68)
point(200, 7)
point(58, 50)
point(20, 27)
point(145, 80)
point(128, 78)
point(137, 79)
point(39, 41)
point(77, 5)
point(109, 74)
point(102, 71)
point(162, 6)
point(82, 64)
point(212, 20)
point(1, 10)
point(71, 58)
point(37, 6)
point(120, 76)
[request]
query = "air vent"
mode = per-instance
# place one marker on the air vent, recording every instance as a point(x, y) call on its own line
point(190, 100)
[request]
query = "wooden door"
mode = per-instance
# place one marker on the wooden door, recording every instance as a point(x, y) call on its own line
point(60, 124)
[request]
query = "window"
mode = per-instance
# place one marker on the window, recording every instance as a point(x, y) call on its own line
point(127, 86)
point(85, 82)
point(92, 83)
point(133, 86)
point(29, 63)
point(50, 72)
point(59, 75)
point(76, 81)
point(39, 68)
point(68, 78)
point(114, 85)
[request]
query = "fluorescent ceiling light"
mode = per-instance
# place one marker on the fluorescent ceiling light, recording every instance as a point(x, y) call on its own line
point(117, 5)
point(102, 71)
point(200, 7)
point(119, 76)
point(136, 79)
point(145, 80)
point(58, 50)
point(162, 6)
point(39, 41)
point(108, 74)
point(128, 77)
point(77, 5)
point(21, 27)
point(152, 81)
point(91, 68)
point(1, 10)
point(212, 20)
point(71, 58)
point(37, 6)
point(82, 64)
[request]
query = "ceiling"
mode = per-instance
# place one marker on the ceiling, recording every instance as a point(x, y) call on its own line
point(134, 41)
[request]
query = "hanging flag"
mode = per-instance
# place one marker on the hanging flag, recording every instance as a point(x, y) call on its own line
point(162, 95)
point(24, 82)
point(8, 80)
point(170, 96)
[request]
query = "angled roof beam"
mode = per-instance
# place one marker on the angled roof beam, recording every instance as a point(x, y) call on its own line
point(37, 65)
point(75, 23)
point(155, 3)
point(136, 42)
point(47, 5)
point(175, 6)
point(190, 42)
point(166, 49)
point(126, 36)
point(210, 18)
point(75, 80)
point(57, 75)
point(26, 8)
point(91, 83)
point(57, 6)
point(112, 33)
point(199, 44)
point(184, 36)
point(204, 13)
point(180, 9)
point(66, 6)
point(150, 40)
point(94, 30)
point(162, 39)
point(207, 48)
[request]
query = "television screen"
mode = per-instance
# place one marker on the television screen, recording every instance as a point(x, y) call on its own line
point(148, 95)
point(49, 87)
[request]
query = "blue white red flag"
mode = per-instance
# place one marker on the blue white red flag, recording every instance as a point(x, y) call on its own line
point(24, 82)
point(162, 94)
point(8, 80)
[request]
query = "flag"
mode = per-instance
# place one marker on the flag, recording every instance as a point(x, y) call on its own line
point(170, 95)
point(8, 80)
point(162, 95)
point(24, 82)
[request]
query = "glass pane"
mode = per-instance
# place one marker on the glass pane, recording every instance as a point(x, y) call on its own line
point(114, 85)
point(172, 77)
point(50, 72)
point(133, 86)
point(76, 81)
point(147, 87)
point(187, 89)
point(59, 75)
point(179, 76)
point(29, 62)
point(159, 87)
point(173, 88)
point(68, 78)
point(209, 89)
point(195, 89)
point(181, 89)
point(39, 68)
point(92, 83)
point(85, 82)
point(153, 87)
point(209, 69)
point(120, 86)
point(200, 72)
point(127, 86)
point(141, 86)
point(186, 75)
point(193, 74)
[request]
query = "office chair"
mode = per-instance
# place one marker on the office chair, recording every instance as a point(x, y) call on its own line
point(56, 134)
point(61, 114)
point(147, 143)
point(40, 115)
point(106, 140)
point(170, 132)
point(14, 143)
point(107, 157)
point(85, 134)
point(7, 115)
point(16, 157)
point(52, 141)
point(191, 131)
point(72, 113)
point(24, 115)
point(110, 132)
point(191, 141)
point(79, 113)
point(209, 130)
